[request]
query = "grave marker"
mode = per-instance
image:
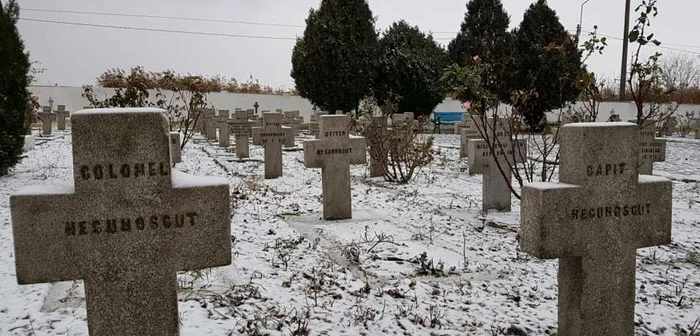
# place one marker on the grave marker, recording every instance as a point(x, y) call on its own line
point(46, 120)
point(593, 220)
point(651, 149)
point(223, 126)
point(697, 128)
point(61, 115)
point(495, 187)
point(241, 127)
point(209, 122)
point(465, 122)
point(467, 131)
point(334, 152)
point(272, 136)
point(126, 227)
point(291, 119)
point(175, 152)
point(313, 123)
point(379, 124)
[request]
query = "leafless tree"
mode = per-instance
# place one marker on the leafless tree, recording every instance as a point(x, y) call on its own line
point(680, 71)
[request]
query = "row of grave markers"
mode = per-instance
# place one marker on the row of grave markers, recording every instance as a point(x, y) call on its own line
point(603, 211)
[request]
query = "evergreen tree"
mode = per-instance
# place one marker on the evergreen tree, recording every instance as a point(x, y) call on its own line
point(484, 33)
point(548, 63)
point(14, 97)
point(410, 66)
point(333, 63)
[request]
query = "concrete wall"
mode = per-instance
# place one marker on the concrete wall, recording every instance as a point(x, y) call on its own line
point(71, 97)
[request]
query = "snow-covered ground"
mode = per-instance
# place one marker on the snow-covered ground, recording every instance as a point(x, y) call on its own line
point(416, 259)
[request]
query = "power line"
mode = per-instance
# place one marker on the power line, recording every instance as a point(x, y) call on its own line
point(164, 17)
point(160, 30)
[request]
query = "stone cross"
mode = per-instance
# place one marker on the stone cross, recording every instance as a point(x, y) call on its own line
point(467, 131)
point(175, 152)
point(593, 220)
point(313, 123)
point(241, 127)
point(495, 187)
point(126, 227)
point(272, 136)
point(222, 124)
point(291, 119)
point(466, 122)
point(255, 106)
point(209, 128)
point(46, 120)
point(651, 149)
point(61, 115)
point(334, 152)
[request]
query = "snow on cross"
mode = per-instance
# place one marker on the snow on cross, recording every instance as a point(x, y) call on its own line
point(126, 227)
point(593, 221)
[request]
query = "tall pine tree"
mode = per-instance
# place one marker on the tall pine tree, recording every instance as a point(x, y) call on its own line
point(484, 33)
point(14, 70)
point(548, 63)
point(410, 66)
point(333, 63)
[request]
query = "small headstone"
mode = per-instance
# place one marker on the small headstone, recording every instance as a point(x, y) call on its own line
point(61, 115)
point(241, 127)
point(496, 193)
point(272, 137)
point(175, 143)
point(334, 152)
point(671, 126)
point(467, 131)
point(466, 122)
point(593, 220)
point(126, 227)
point(46, 120)
point(651, 149)
point(209, 122)
point(378, 125)
point(222, 125)
point(291, 119)
point(313, 123)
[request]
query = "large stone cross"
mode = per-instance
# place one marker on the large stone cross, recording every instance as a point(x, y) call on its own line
point(593, 220)
point(334, 152)
point(61, 115)
point(126, 227)
point(46, 120)
point(651, 149)
point(242, 128)
point(272, 137)
point(495, 187)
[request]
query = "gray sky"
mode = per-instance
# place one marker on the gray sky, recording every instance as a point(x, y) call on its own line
point(75, 55)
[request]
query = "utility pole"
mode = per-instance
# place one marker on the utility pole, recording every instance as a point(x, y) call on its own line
point(625, 44)
point(580, 22)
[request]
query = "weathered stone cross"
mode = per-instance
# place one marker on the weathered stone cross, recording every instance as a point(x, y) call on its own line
point(209, 128)
point(272, 136)
point(129, 224)
point(334, 152)
point(651, 149)
point(467, 131)
point(46, 120)
point(61, 115)
point(291, 120)
point(466, 122)
point(495, 187)
point(175, 151)
point(593, 221)
point(313, 123)
point(222, 124)
point(242, 128)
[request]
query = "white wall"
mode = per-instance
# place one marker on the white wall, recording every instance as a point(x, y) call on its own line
point(71, 97)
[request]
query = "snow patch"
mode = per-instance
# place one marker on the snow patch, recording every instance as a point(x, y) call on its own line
point(182, 180)
point(44, 190)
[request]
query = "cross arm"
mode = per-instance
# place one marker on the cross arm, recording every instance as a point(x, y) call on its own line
point(545, 229)
point(311, 158)
point(655, 227)
point(359, 148)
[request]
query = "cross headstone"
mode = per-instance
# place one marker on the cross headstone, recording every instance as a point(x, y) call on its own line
point(61, 115)
point(671, 126)
point(495, 187)
point(593, 220)
point(175, 152)
point(313, 123)
point(255, 106)
point(467, 131)
point(290, 119)
point(651, 149)
point(209, 122)
point(126, 227)
point(334, 152)
point(241, 127)
point(465, 122)
point(222, 124)
point(272, 137)
point(46, 120)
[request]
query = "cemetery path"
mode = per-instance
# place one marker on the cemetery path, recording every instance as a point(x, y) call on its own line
point(417, 259)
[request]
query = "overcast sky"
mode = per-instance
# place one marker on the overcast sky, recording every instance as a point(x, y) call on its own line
point(75, 55)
